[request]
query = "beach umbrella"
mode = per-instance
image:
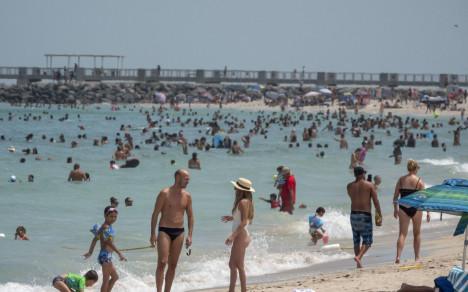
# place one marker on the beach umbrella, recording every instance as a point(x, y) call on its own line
point(160, 97)
point(311, 94)
point(450, 197)
point(272, 94)
point(325, 91)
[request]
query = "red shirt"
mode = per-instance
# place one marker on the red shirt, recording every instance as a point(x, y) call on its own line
point(289, 185)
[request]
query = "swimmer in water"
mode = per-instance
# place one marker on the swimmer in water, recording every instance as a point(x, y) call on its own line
point(76, 174)
point(274, 202)
point(20, 233)
point(194, 163)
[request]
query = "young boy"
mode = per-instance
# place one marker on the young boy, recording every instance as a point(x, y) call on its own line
point(105, 234)
point(274, 202)
point(316, 230)
point(75, 283)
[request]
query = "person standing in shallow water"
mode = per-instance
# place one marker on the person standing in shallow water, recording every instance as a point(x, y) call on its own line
point(172, 203)
point(361, 193)
point(405, 186)
point(242, 216)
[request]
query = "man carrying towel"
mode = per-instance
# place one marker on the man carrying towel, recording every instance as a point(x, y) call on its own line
point(361, 192)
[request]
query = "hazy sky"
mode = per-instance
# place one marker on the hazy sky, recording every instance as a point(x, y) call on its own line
point(417, 36)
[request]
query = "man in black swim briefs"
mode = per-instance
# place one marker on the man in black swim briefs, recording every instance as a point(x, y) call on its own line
point(171, 204)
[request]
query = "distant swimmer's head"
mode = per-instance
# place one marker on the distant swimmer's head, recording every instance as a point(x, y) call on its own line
point(377, 180)
point(114, 202)
point(412, 165)
point(194, 155)
point(91, 278)
point(30, 178)
point(128, 202)
point(69, 160)
point(76, 166)
point(23, 160)
point(12, 178)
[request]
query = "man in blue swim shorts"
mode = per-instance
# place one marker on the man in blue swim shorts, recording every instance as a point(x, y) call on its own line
point(361, 192)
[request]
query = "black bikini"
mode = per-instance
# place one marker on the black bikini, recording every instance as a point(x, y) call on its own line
point(406, 192)
point(173, 233)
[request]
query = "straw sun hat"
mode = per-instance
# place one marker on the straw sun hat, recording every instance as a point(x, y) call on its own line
point(243, 184)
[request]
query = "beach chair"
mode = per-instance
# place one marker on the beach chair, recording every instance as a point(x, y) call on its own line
point(459, 279)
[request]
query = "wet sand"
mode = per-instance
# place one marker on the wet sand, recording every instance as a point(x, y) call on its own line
point(440, 252)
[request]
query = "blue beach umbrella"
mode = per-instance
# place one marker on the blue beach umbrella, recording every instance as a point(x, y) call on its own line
point(450, 197)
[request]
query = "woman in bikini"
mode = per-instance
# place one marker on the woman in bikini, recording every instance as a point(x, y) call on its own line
point(405, 186)
point(242, 215)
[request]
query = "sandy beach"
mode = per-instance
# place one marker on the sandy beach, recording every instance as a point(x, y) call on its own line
point(444, 253)
point(411, 108)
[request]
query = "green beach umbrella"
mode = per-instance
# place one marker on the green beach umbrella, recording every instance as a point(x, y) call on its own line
point(450, 197)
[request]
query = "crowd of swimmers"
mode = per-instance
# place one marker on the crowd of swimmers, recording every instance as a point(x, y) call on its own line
point(167, 223)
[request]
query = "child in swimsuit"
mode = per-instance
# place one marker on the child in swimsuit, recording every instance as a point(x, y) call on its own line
point(274, 202)
point(21, 233)
point(105, 234)
point(316, 230)
point(74, 282)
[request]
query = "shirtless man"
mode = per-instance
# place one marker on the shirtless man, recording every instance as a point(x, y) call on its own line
point(194, 163)
point(76, 174)
point(171, 203)
point(361, 192)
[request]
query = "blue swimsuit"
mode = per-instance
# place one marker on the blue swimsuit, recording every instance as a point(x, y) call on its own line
point(104, 256)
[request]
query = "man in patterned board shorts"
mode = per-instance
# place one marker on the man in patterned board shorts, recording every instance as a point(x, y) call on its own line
point(361, 192)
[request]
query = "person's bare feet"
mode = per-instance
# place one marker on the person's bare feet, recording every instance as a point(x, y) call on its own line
point(397, 261)
point(358, 262)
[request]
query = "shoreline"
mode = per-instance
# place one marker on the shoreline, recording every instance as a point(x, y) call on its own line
point(440, 251)
point(371, 109)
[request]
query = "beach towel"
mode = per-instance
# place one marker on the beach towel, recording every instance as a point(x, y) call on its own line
point(458, 279)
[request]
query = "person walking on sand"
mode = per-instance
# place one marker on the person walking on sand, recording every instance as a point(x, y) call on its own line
point(242, 216)
point(361, 193)
point(172, 203)
point(405, 186)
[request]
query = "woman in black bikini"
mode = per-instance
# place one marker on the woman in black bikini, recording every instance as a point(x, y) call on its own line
point(406, 185)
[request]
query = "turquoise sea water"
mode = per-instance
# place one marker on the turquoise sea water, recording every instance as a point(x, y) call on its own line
point(58, 214)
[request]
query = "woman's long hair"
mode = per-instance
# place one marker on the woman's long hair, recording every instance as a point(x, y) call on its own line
point(244, 195)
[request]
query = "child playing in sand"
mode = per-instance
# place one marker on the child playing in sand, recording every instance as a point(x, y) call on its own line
point(316, 230)
point(21, 233)
point(274, 202)
point(75, 283)
point(106, 234)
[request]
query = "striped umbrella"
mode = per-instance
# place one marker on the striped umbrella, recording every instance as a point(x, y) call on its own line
point(450, 197)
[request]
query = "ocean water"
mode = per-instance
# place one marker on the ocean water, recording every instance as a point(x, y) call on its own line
point(58, 214)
